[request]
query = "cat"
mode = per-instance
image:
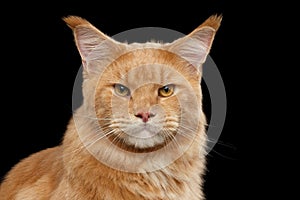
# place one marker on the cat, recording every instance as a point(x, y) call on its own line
point(140, 131)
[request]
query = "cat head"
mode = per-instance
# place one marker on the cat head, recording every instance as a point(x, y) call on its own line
point(144, 96)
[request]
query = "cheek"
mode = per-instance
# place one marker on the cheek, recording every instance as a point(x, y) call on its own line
point(171, 106)
point(103, 103)
point(107, 105)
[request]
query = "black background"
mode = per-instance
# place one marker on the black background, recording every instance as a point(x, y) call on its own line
point(42, 62)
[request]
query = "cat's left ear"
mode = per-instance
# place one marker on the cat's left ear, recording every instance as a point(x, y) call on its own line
point(195, 47)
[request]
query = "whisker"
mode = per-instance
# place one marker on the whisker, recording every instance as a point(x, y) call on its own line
point(220, 154)
point(188, 136)
point(223, 144)
point(101, 137)
point(193, 137)
point(112, 142)
point(74, 152)
point(188, 128)
point(94, 139)
point(219, 142)
point(175, 144)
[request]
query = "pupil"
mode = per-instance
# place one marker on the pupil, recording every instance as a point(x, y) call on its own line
point(122, 89)
point(166, 89)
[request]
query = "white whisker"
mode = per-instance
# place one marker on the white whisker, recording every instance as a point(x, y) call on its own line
point(101, 137)
point(174, 143)
point(112, 142)
point(84, 145)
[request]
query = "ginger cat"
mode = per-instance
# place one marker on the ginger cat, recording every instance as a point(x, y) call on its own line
point(140, 132)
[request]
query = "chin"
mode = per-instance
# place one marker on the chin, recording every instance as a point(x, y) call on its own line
point(144, 143)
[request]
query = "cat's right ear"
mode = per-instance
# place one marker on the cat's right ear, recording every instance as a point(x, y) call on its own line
point(91, 43)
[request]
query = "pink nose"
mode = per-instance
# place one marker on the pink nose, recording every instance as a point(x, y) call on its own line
point(144, 115)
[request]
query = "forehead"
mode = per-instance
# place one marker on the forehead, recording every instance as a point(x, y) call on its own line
point(159, 74)
point(144, 66)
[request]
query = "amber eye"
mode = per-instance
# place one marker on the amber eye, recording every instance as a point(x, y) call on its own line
point(166, 90)
point(122, 90)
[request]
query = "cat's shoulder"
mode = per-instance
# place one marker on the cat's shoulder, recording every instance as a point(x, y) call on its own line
point(43, 166)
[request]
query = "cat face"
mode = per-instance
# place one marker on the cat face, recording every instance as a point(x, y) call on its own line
point(146, 99)
point(144, 96)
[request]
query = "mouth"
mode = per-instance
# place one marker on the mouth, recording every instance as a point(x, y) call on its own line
point(143, 131)
point(142, 138)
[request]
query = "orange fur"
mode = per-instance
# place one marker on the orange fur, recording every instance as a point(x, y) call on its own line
point(73, 170)
point(73, 21)
point(214, 22)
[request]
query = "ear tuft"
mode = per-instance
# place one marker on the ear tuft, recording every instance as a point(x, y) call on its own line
point(213, 21)
point(74, 21)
